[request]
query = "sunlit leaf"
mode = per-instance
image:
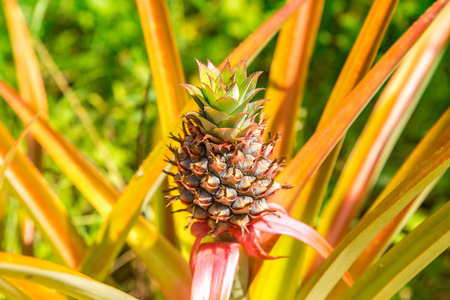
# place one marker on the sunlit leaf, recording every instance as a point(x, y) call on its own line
point(283, 224)
point(261, 36)
point(165, 63)
point(435, 138)
point(314, 152)
point(405, 88)
point(406, 259)
point(35, 291)
point(329, 272)
point(288, 72)
point(356, 66)
point(43, 204)
point(56, 277)
point(438, 135)
point(31, 84)
point(9, 290)
point(393, 109)
point(110, 239)
point(6, 161)
point(214, 271)
point(102, 196)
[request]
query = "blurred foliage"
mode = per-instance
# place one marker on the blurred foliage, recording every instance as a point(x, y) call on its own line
point(99, 46)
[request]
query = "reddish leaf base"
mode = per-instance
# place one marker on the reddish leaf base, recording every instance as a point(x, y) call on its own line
point(250, 239)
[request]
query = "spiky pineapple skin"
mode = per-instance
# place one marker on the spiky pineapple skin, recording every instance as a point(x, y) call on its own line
point(225, 184)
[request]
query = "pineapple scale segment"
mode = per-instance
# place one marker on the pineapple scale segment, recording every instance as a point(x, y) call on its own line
point(225, 171)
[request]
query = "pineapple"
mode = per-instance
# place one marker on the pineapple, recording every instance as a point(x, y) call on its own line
point(225, 171)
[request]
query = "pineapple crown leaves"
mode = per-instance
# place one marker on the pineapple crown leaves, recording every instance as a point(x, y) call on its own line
point(226, 100)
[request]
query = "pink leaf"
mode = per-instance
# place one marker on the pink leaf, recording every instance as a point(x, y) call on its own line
point(251, 242)
point(214, 271)
point(283, 224)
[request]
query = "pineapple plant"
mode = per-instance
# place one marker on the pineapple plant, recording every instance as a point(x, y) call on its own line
point(226, 171)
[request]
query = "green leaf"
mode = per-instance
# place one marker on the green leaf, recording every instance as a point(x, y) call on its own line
point(233, 91)
point(240, 71)
point(226, 104)
point(209, 95)
point(214, 115)
point(57, 277)
point(226, 72)
point(248, 85)
point(329, 272)
point(405, 260)
point(196, 94)
point(234, 122)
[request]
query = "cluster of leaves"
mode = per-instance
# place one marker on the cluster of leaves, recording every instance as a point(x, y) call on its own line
point(112, 79)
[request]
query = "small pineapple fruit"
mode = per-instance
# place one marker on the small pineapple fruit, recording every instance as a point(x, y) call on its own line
point(226, 174)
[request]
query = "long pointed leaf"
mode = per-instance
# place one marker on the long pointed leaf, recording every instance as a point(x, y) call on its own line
point(165, 63)
point(309, 158)
point(57, 277)
point(383, 128)
point(261, 36)
point(10, 291)
point(7, 159)
point(35, 291)
point(358, 63)
point(435, 138)
point(328, 274)
point(29, 76)
point(288, 72)
point(406, 259)
point(110, 238)
point(173, 270)
point(167, 74)
point(356, 66)
point(43, 204)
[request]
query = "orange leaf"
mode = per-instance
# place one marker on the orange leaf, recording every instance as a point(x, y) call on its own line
point(288, 73)
point(43, 204)
point(31, 84)
point(167, 72)
point(261, 36)
point(35, 291)
point(309, 158)
point(354, 243)
point(435, 138)
point(173, 270)
point(389, 116)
